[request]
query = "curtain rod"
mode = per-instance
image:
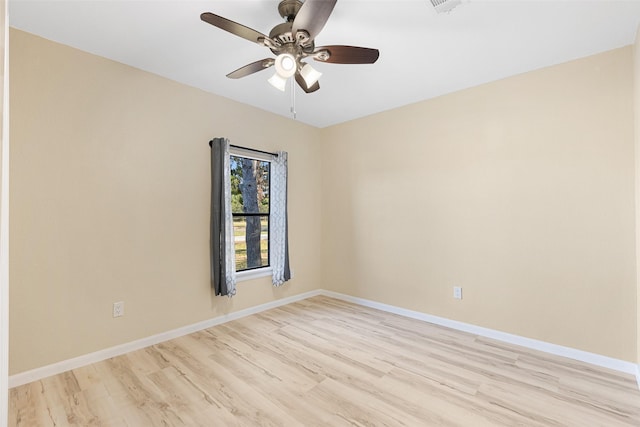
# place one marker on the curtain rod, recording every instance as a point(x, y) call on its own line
point(249, 149)
point(254, 150)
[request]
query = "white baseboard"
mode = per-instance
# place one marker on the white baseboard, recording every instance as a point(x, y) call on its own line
point(558, 350)
point(87, 359)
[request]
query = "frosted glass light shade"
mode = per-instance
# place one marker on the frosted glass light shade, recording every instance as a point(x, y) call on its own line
point(278, 82)
point(285, 65)
point(310, 75)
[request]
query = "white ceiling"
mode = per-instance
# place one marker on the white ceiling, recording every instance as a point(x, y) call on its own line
point(422, 54)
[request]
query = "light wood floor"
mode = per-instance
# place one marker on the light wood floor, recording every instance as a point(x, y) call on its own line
point(323, 362)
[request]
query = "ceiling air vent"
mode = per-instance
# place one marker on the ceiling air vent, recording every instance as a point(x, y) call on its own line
point(444, 6)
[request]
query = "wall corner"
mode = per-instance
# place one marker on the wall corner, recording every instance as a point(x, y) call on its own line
point(636, 115)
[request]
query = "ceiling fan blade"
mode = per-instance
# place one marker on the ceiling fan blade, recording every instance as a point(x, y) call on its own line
point(312, 16)
point(348, 55)
point(303, 84)
point(233, 27)
point(254, 67)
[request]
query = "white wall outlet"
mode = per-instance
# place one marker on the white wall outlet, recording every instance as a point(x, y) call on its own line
point(118, 309)
point(457, 292)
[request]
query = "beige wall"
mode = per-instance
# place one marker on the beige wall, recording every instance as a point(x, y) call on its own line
point(520, 191)
point(110, 181)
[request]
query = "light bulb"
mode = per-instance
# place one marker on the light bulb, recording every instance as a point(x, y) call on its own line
point(288, 63)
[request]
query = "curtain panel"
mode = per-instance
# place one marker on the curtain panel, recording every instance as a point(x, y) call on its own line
point(223, 265)
point(279, 220)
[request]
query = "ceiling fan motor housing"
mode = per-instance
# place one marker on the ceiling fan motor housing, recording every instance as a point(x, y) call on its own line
point(288, 42)
point(288, 9)
point(282, 33)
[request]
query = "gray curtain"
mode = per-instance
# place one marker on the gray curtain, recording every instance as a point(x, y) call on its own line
point(287, 270)
point(218, 215)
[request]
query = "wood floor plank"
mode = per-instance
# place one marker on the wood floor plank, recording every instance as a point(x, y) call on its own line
point(326, 362)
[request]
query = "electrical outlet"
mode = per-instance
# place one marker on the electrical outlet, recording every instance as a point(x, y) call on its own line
point(457, 292)
point(118, 309)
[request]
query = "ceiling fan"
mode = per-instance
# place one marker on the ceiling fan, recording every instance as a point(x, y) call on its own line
point(294, 41)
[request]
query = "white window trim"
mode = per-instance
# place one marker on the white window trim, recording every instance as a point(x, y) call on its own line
point(242, 276)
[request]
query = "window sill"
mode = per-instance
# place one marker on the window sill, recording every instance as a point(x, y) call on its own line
point(253, 274)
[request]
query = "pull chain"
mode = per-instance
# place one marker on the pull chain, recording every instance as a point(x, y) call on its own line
point(293, 99)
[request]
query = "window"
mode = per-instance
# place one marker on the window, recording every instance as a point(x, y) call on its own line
point(250, 208)
point(249, 232)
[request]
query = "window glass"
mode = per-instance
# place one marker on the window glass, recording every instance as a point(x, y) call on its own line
point(250, 182)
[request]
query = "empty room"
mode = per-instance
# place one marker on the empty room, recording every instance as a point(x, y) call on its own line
point(320, 213)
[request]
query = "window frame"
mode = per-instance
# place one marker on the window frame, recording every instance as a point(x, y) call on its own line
point(253, 273)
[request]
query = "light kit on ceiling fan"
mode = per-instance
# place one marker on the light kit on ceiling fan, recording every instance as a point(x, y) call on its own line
point(293, 41)
point(310, 75)
point(286, 67)
point(278, 82)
